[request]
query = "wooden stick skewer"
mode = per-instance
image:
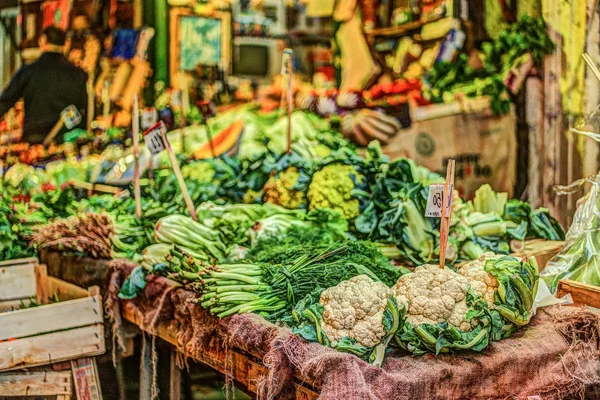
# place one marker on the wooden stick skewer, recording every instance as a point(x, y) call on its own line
point(180, 180)
point(446, 202)
point(290, 105)
point(135, 131)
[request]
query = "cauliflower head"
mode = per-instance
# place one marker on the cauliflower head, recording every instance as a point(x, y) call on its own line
point(482, 282)
point(355, 308)
point(432, 296)
point(332, 186)
point(279, 189)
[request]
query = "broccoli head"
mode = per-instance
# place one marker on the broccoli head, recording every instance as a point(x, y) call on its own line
point(332, 187)
point(280, 189)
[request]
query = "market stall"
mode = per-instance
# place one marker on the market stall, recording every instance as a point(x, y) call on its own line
point(314, 199)
point(270, 361)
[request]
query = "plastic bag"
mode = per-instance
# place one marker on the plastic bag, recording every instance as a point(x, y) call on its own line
point(579, 260)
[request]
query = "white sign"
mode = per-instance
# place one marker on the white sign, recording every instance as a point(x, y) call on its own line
point(149, 117)
point(435, 201)
point(286, 62)
point(153, 138)
point(70, 117)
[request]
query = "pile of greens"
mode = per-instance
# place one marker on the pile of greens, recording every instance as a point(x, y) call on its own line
point(527, 35)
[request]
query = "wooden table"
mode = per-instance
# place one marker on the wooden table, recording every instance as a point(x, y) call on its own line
point(247, 368)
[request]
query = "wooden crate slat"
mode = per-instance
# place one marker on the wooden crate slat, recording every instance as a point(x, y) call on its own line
point(64, 290)
point(19, 261)
point(52, 347)
point(582, 293)
point(51, 318)
point(43, 383)
point(17, 282)
point(9, 305)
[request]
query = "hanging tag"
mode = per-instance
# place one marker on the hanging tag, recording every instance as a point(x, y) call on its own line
point(153, 138)
point(70, 117)
point(149, 117)
point(435, 198)
point(286, 61)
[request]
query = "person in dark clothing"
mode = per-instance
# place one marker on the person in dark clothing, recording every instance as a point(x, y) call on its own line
point(47, 87)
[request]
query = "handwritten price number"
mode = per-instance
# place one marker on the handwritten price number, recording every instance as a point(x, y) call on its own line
point(153, 138)
point(435, 199)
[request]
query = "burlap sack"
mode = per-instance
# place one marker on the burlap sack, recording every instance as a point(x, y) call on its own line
point(483, 146)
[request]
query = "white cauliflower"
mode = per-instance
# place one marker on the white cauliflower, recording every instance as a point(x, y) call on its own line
point(483, 283)
point(432, 295)
point(355, 308)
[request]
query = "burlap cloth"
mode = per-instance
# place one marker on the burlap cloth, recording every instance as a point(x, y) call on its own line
point(555, 357)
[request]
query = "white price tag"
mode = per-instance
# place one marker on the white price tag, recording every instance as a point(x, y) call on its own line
point(70, 117)
point(149, 117)
point(435, 199)
point(153, 138)
point(286, 61)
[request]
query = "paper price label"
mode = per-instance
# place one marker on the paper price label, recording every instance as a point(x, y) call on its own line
point(286, 61)
point(70, 117)
point(153, 138)
point(435, 201)
point(149, 117)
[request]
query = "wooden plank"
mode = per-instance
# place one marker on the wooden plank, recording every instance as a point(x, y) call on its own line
point(19, 261)
point(65, 290)
point(41, 284)
point(174, 378)
point(245, 370)
point(43, 383)
point(146, 369)
point(17, 282)
point(52, 347)
point(582, 293)
point(51, 318)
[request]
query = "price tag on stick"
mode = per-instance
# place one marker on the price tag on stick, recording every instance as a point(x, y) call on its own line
point(69, 118)
point(287, 70)
point(159, 133)
point(153, 138)
point(135, 132)
point(434, 201)
point(446, 212)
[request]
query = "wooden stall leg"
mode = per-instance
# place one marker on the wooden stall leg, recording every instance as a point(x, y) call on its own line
point(121, 386)
point(146, 369)
point(63, 397)
point(175, 378)
point(41, 284)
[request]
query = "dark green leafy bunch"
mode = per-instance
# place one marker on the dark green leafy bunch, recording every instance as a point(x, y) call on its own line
point(526, 35)
point(262, 285)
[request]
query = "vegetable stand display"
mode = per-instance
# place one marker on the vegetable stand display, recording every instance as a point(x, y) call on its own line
point(271, 361)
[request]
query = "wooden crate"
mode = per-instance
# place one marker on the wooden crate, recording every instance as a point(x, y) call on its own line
point(582, 293)
point(70, 329)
